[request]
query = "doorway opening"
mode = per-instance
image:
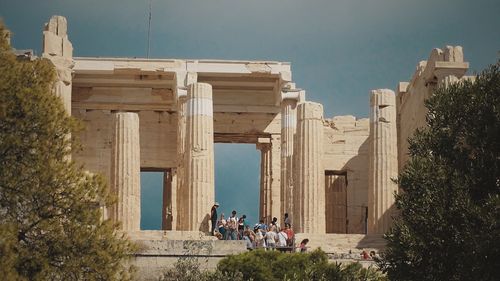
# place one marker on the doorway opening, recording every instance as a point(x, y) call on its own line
point(336, 202)
point(156, 199)
point(237, 182)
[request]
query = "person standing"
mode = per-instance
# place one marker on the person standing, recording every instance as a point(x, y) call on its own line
point(213, 216)
point(287, 220)
point(262, 226)
point(291, 235)
point(241, 226)
point(282, 238)
point(271, 237)
point(232, 226)
point(259, 238)
point(275, 223)
point(222, 225)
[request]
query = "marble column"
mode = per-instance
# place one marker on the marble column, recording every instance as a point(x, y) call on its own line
point(59, 50)
point(181, 188)
point(265, 211)
point(309, 183)
point(199, 156)
point(383, 160)
point(275, 167)
point(288, 128)
point(126, 170)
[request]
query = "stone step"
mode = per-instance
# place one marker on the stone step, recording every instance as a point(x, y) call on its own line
point(169, 235)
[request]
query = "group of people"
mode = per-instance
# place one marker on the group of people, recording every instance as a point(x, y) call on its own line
point(262, 235)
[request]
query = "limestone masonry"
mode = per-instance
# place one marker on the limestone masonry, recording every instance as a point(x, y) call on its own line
point(332, 175)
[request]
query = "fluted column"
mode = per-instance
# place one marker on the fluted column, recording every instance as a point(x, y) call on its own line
point(288, 128)
point(59, 50)
point(265, 182)
point(182, 191)
point(275, 167)
point(309, 189)
point(126, 170)
point(383, 160)
point(199, 151)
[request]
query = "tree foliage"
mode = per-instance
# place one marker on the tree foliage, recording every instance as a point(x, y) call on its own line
point(448, 228)
point(273, 265)
point(189, 269)
point(50, 220)
point(263, 265)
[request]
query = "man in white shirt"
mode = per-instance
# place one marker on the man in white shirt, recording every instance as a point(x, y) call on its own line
point(282, 237)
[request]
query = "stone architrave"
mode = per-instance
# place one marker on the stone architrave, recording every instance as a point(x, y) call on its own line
point(288, 128)
point(59, 50)
point(199, 156)
point(126, 170)
point(309, 189)
point(383, 160)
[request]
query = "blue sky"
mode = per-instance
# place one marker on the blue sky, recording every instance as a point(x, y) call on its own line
point(339, 50)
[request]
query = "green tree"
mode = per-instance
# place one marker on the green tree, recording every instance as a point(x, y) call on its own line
point(50, 220)
point(449, 210)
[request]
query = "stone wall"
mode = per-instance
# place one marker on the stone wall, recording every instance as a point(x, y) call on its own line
point(346, 150)
point(157, 139)
point(443, 66)
point(160, 250)
point(156, 256)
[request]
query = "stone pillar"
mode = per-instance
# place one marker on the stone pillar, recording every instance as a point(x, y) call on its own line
point(288, 128)
point(126, 170)
point(265, 211)
point(199, 155)
point(181, 188)
point(167, 222)
point(59, 50)
point(309, 189)
point(275, 167)
point(383, 160)
point(173, 199)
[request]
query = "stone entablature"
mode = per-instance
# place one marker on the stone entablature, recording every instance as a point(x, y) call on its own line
point(332, 175)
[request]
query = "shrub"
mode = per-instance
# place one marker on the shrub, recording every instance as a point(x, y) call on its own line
point(188, 269)
point(273, 265)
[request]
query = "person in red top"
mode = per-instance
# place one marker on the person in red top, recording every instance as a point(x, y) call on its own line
point(364, 255)
point(290, 234)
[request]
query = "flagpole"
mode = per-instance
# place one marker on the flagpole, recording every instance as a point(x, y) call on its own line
point(149, 29)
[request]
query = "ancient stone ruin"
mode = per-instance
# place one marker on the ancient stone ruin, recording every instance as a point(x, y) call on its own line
point(332, 175)
point(166, 114)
